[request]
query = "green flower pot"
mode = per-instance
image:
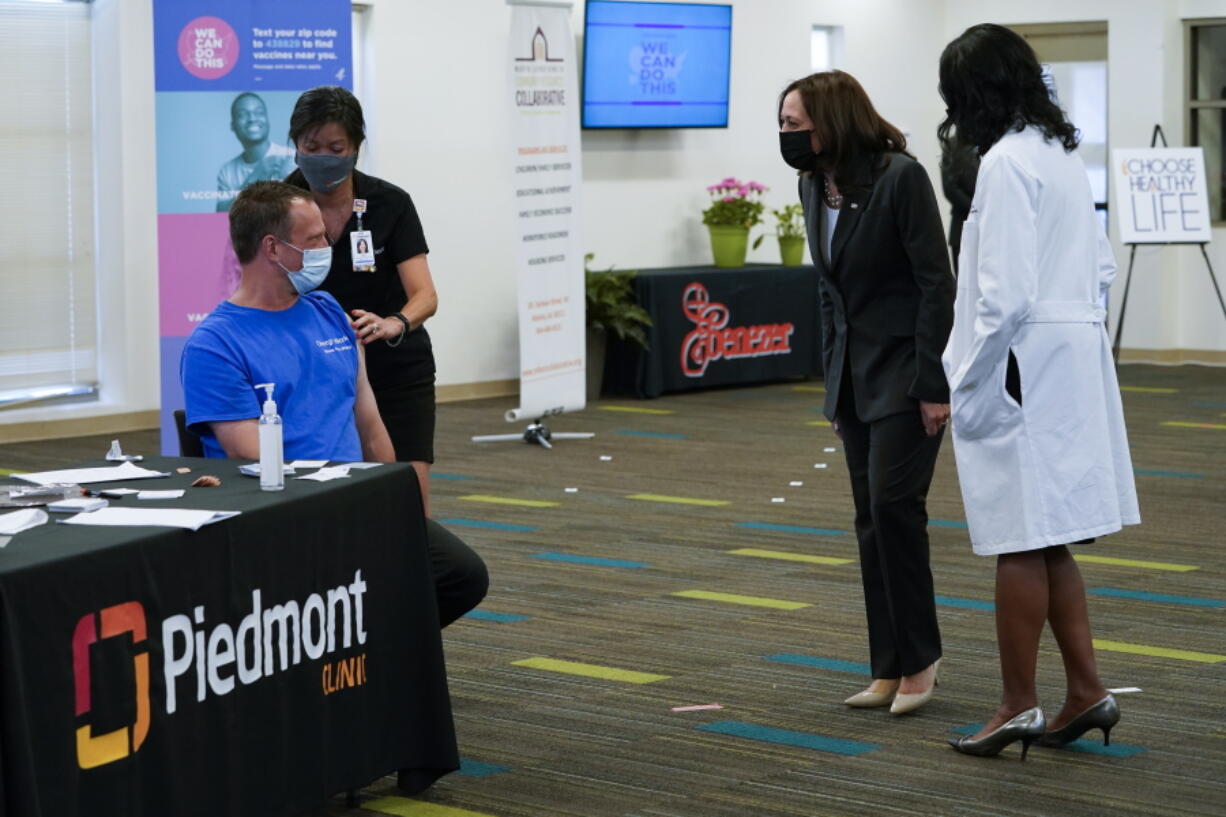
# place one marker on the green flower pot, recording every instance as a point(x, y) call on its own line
point(792, 250)
point(729, 244)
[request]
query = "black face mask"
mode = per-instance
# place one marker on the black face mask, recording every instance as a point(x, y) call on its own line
point(797, 149)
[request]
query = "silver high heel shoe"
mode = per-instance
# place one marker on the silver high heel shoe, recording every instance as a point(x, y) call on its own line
point(1026, 727)
point(1103, 715)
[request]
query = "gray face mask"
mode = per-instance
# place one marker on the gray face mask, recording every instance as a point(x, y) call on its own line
point(324, 172)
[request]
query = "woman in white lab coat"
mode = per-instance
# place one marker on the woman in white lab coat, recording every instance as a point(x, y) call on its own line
point(1037, 421)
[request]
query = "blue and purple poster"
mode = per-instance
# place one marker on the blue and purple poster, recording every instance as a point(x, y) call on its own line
point(227, 74)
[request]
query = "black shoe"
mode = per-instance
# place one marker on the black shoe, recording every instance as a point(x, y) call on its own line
point(1103, 715)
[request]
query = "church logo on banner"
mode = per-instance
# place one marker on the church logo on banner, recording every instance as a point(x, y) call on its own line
point(712, 340)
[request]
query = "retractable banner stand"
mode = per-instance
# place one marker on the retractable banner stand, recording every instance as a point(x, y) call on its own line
point(548, 174)
point(227, 74)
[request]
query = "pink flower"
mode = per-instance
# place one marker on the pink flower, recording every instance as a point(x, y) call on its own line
point(728, 198)
point(757, 188)
point(731, 181)
point(711, 188)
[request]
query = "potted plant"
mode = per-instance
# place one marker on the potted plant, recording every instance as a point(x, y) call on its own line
point(735, 207)
point(611, 307)
point(790, 230)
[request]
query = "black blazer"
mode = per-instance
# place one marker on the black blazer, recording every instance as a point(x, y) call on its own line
point(887, 298)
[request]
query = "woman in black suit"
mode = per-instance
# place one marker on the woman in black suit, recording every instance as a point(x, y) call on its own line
point(887, 298)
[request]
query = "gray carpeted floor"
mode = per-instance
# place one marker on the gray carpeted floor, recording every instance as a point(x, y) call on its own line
point(540, 742)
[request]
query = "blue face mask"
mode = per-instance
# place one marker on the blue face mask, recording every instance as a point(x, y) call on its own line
point(315, 266)
point(325, 171)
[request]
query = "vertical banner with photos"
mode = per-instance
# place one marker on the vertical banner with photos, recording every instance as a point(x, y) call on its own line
point(227, 74)
point(548, 177)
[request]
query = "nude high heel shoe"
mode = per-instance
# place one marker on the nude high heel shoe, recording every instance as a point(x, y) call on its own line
point(869, 699)
point(905, 702)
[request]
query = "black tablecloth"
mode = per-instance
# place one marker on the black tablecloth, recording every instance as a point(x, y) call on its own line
point(94, 626)
point(716, 326)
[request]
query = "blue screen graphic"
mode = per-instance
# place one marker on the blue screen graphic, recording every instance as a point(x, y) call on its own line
point(656, 65)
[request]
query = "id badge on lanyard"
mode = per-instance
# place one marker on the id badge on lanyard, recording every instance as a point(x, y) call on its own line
point(361, 244)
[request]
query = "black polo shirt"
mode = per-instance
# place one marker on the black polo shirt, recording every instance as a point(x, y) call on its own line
point(397, 236)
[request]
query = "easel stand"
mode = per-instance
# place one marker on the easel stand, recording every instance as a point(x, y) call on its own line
point(1119, 327)
point(536, 432)
point(1132, 257)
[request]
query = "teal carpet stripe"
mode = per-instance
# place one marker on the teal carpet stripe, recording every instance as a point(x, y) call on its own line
point(966, 604)
point(475, 768)
point(1179, 474)
point(1165, 598)
point(1209, 404)
point(655, 435)
point(1091, 747)
point(804, 740)
point(480, 523)
point(791, 529)
point(588, 560)
point(441, 475)
point(820, 663)
point(490, 615)
point(946, 523)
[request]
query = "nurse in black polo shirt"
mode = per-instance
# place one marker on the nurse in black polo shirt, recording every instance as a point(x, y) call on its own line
point(379, 271)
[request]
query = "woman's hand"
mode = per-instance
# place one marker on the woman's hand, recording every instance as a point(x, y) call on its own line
point(934, 415)
point(370, 327)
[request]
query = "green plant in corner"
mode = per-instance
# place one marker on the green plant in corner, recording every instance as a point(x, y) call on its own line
point(610, 303)
point(789, 223)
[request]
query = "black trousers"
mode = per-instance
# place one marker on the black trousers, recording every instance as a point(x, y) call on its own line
point(460, 577)
point(891, 461)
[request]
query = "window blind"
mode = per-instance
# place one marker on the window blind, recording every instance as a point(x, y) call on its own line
point(48, 320)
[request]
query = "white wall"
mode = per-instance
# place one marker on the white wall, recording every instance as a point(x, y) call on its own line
point(439, 129)
point(1171, 304)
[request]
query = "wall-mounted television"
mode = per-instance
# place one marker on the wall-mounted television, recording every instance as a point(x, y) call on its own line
point(656, 65)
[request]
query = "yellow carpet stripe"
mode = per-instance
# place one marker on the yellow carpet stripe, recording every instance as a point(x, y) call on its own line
point(1158, 652)
point(1180, 424)
point(749, 601)
point(1148, 390)
point(818, 423)
point(1111, 560)
point(5, 472)
point(404, 807)
point(506, 500)
point(821, 389)
point(680, 500)
point(636, 410)
point(590, 670)
point(790, 557)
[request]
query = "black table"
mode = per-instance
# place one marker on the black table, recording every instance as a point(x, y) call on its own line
point(718, 326)
point(256, 666)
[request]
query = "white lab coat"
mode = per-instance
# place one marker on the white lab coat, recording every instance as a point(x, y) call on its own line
point(1034, 270)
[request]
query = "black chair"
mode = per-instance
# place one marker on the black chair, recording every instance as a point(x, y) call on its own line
point(189, 443)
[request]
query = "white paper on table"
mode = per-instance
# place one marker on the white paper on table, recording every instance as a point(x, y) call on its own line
point(362, 466)
point(160, 494)
point(252, 469)
point(308, 463)
point(17, 521)
point(156, 517)
point(117, 492)
point(328, 474)
point(83, 476)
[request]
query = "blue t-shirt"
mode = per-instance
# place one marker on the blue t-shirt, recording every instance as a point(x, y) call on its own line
point(307, 350)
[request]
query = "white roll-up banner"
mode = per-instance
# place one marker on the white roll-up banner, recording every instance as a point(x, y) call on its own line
point(548, 175)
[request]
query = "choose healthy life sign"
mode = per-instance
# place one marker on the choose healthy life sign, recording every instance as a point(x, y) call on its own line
point(548, 174)
point(1161, 195)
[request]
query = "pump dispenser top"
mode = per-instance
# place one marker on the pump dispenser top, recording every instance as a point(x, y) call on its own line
point(270, 407)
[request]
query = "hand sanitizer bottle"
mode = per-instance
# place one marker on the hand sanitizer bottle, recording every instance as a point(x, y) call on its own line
point(272, 458)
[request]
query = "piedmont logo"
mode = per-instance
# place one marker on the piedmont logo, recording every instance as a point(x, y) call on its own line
point(710, 340)
point(97, 750)
point(265, 642)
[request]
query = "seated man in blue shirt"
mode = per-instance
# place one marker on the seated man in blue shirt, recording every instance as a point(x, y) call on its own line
point(275, 329)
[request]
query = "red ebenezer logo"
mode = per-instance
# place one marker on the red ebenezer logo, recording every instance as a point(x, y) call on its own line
point(710, 339)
